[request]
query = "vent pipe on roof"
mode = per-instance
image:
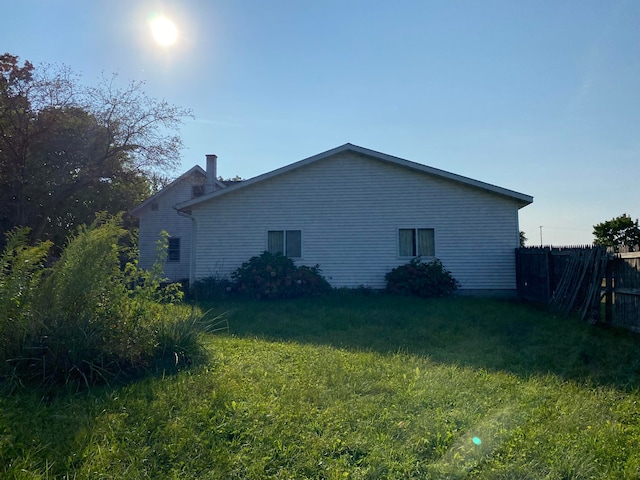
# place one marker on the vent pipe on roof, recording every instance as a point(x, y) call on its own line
point(212, 173)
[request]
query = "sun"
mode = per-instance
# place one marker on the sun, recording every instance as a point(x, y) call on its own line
point(164, 31)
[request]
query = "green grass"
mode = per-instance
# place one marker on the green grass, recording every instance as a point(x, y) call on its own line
point(355, 386)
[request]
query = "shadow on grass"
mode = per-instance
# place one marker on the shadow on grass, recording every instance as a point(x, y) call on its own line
point(479, 333)
point(46, 432)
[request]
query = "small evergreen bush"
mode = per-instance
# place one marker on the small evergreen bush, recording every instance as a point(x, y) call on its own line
point(273, 276)
point(426, 280)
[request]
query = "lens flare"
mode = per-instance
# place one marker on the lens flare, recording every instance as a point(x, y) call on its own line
point(476, 440)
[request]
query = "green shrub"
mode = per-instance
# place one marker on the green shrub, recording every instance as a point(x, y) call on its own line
point(88, 319)
point(21, 270)
point(210, 288)
point(426, 280)
point(273, 276)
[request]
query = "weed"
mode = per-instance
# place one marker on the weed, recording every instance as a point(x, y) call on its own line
point(86, 319)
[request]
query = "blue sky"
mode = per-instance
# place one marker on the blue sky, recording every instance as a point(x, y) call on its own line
point(541, 97)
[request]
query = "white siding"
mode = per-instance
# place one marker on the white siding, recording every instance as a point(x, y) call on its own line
point(152, 223)
point(349, 208)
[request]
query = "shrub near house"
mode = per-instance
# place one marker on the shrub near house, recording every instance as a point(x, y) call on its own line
point(273, 276)
point(426, 280)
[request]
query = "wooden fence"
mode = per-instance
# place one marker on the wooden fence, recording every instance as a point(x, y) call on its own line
point(623, 291)
point(566, 278)
point(577, 279)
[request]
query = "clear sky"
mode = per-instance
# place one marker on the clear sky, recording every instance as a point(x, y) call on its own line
point(541, 97)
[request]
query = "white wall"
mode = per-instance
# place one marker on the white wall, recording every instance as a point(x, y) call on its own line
point(349, 208)
point(166, 218)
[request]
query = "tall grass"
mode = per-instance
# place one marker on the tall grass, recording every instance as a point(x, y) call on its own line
point(21, 273)
point(92, 317)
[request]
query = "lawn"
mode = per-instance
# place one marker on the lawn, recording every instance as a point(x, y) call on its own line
point(355, 386)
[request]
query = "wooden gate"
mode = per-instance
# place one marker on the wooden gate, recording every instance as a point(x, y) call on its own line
point(623, 281)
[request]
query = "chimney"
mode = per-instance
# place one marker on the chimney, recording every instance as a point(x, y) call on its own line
point(212, 173)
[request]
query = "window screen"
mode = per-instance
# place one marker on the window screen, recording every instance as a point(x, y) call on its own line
point(286, 242)
point(414, 242)
point(173, 251)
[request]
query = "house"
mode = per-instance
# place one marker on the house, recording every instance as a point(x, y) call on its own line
point(356, 212)
point(158, 213)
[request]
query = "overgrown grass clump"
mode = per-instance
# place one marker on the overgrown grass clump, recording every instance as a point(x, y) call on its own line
point(92, 316)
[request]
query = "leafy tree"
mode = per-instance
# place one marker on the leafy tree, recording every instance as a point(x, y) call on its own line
point(523, 238)
point(68, 151)
point(235, 178)
point(617, 232)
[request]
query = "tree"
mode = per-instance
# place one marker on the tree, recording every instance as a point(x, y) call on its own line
point(618, 232)
point(68, 151)
point(523, 238)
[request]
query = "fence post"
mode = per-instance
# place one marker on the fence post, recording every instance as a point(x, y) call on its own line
point(608, 302)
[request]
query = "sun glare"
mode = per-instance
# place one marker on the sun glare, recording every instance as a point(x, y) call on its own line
point(164, 31)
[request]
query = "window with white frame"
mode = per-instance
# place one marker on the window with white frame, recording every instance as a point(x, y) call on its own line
point(286, 242)
point(173, 250)
point(416, 242)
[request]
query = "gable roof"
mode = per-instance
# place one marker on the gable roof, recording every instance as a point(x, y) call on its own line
point(194, 170)
point(521, 198)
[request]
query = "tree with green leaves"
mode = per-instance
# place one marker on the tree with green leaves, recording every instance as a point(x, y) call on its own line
point(68, 151)
point(523, 238)
point(621, 231)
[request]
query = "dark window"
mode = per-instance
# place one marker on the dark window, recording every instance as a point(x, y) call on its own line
point(286, 242)
point(173, 251)
point(197, 190)
point(416, 242)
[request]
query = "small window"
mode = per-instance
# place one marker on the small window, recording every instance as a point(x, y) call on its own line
point(286, 242)
point(197, 191)
point(416, 242)
point(173, 250)
point(154, 206)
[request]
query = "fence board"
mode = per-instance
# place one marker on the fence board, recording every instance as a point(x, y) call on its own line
point(626, 291)
point(533, 275)
point(567, 278)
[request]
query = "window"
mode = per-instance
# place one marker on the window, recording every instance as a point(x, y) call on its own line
point(286, 242)
point(173, 250)
point(416, 242)
point(197, 191)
